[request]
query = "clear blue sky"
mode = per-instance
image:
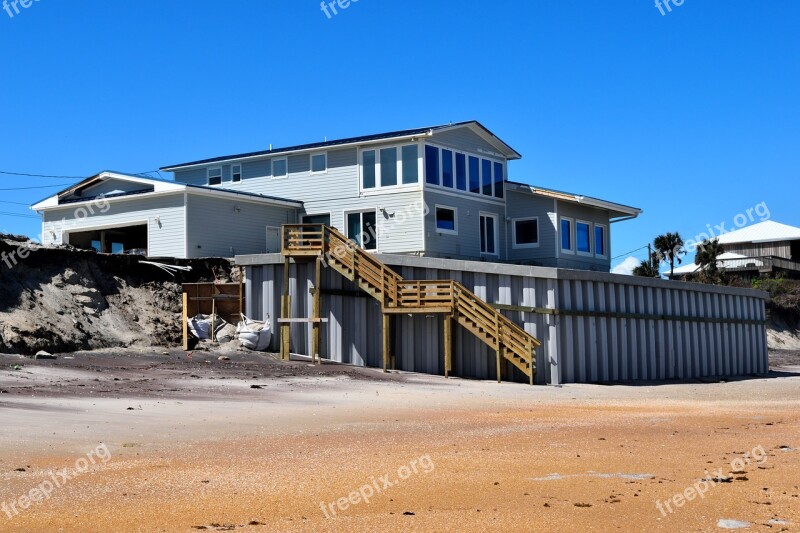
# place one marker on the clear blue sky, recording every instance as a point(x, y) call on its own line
point(693, 116)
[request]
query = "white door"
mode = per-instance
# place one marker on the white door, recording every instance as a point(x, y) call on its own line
point(273, 240)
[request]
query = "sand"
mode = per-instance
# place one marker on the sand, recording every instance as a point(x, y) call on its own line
point(193, 446)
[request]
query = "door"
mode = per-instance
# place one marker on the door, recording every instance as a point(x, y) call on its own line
point(273, 240)
point(488, 232)
point(362, 229)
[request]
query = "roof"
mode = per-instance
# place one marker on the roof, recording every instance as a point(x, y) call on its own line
point(617, 210)
point(725, 260)
point(479, 128)
point(159, 186)
point(767, 231)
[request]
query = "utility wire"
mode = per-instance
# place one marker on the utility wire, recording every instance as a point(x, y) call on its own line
point(4, 213)
point(42, 175)
point(628, 253)
point(28, 188)
point(15, 203)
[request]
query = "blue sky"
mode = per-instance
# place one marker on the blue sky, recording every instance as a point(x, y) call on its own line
point(692, 115)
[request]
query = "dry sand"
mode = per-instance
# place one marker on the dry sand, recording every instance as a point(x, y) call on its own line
point(194, 447)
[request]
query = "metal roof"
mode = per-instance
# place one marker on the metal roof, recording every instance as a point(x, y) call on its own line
point(767, 231)
point(623, 210)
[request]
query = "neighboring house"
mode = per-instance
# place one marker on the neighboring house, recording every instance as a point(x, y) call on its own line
point(763, 248)
point(441, 191)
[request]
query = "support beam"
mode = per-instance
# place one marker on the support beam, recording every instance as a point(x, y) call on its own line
point(387, 324)
point(286, 311)
point(499, 349)
point(316, 312)
point(448, 345)
point(185, 319)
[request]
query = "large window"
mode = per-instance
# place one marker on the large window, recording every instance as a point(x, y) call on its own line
point(600, 240)
point(362, 229)
point(388, 167)
point(368, 169)
point(488, 232)
point(280, 168)
point(214, 176)
point(447, 169)
point(525, 232)
point(474, 175)
point(461, 172)
point(236, 173)
point(319, 163)
point(583, 237)
point(446, 220)
point(410, 163)
point(498, 180)
point(431, 165)
point(566, 235)
point(486, 176)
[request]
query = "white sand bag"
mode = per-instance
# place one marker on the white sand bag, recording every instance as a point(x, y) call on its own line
point(254, 334)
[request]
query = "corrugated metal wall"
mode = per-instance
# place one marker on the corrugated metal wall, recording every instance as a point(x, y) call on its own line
point(607, 327)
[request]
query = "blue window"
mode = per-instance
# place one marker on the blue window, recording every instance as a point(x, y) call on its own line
point(566, 234)
point(486, 178)
point(368, 169)
point(432, 165)
point(498, 180)
point(447, 168)
point(600, 240)
point(474, 175)
point(446, 220)
point(582, 237)
point(388, 167)
point(461, 172)
point(410, 163)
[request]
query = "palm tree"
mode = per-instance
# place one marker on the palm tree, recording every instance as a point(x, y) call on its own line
point(707, 256)
point(670, 247)
point(648, 268)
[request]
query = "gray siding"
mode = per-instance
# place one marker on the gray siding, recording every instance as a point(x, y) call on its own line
point(163, 214)
point(609, 328)
point(216, 228)
point(467, 244)
point(778, 249)
point(524, 205)
point(463, 139)
point(585, 214)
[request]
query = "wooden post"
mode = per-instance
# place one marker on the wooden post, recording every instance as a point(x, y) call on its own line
point(316, 312)
point(499, 349)
point(286, 311)
point(448, 345)
point(241, 291)
point(185, 318)
point(213, 317)
point(386, 340)
point(533, 361)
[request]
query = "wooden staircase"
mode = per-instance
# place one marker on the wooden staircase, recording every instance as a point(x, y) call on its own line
point(400, 296)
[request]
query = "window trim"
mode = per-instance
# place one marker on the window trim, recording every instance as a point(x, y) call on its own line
point(590, 253)
point(571, 249)
point(241, 176)
point(605, 240)
point(377, 230)
point(454, 189)
point(436, 220)
point(514, 244)
point(496, 217)
point(378, 188)
point(272, 168)
point(311, 163)
point(208, 176)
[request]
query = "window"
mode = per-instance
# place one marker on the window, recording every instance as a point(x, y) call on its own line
point(525, 232)
point(498, 180)
point(566, 235)
point(214, 176)
point(446, 221)
point(368, 169)
point(583, 237)
point(325, 220)
point(447, 169)
point(280, 168)
point(600, 240)
point(319, 163)
point(236, 173)
point(488, 231)
point(474, 175)
point(410, 163)
point(461, 172)
point(362, 229)
point(388, 167)
point(432, 165)
point(486, 177)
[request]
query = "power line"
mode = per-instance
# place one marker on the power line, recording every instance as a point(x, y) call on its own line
point(28, 188)
point(42, 175)
point(15, 203)
point(628, 253)
point(7, 214)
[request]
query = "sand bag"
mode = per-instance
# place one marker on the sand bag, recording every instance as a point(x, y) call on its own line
point(201, 325)
point(254, 334)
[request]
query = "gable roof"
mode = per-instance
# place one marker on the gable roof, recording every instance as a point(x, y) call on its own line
point(615, 209)
point(474, 125)
point(725, 260)
point(767, 231)
point(151, 186)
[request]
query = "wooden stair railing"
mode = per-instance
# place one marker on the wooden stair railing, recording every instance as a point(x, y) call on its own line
point(398, 295)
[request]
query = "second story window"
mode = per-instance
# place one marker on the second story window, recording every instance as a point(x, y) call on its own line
point(431, 165)
point(236, 173)
point(214, 176)
point(388, 167)
point(368, 169)
point(566, 235)
point(319, 163)
point(280, 168)
point(461, 172)
point(474, 175)
point(582, 237)
point(447, 169)
point(410, 164)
